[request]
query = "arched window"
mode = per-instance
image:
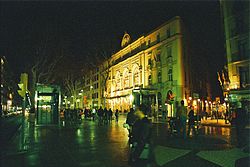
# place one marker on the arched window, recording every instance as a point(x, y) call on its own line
point(159, 77)
point(118, 81)
point(126, 79)
point(149, 80)
point(169, 52)
point(136, 77)
point(159, 99)
point(170, 75)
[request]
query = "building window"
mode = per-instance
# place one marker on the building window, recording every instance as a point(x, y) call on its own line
point(169, 52)
point(96, 86)
point(242, 46)
point(88, 81)
point(170, 75)
point(158, 57)
point(126, 80)
point(149, 61)
point(158, 38)
point(168, 32)
point(244, 76)
point(136, 78)
point(118, 81)
point(159, 77)
point(149, 80)
point(149, 42)
point(95, 96)
point(159, 99)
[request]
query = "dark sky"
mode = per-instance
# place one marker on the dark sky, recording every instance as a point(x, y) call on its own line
point(80, 27)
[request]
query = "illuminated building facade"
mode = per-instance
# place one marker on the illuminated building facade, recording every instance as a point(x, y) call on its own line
point(236, 27)
point(145, 70)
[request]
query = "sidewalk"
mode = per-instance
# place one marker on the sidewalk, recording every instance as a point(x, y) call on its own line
point(90, 145)
point(204, 122)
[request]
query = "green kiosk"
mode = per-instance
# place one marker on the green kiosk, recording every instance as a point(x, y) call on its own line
point(48, 98)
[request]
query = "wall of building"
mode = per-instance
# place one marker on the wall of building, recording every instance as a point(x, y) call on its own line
point(236, 27)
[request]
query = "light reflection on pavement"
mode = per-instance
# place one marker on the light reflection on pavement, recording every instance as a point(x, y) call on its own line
point(87, 144)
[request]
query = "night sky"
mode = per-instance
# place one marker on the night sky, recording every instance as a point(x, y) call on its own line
point(80, 28)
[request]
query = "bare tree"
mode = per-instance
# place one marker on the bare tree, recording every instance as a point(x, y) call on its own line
point(73, 85)
point(42, 70)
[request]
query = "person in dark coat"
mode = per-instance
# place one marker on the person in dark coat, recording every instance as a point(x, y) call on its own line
point(116, 115)
point(130, 120)
point(191, 122)
point(240, 123)
point(141, 133)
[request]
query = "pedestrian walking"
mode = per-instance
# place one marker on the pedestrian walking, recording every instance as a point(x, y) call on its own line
point(116, 115)
point(93, 114)
point(241, 122)
point(191, 122)
point(105, 116)
point(110, 115)
point(182, 115)
point(141, 132)
point(130, 120)
point(100, 116)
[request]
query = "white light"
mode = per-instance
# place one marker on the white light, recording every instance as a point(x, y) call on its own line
point(131, 97)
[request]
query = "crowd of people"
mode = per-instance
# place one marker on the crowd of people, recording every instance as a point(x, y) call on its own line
point(104, 116)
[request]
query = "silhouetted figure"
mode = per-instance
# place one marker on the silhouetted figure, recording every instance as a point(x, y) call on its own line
point(182, 115)
point(191, 122)
point(241, 122)
point(130, 120)
point(100, 116)
point(116, 115)
point(141, 133)
point(110, 114)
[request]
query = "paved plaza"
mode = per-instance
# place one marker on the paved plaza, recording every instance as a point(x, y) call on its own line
point(85, 144)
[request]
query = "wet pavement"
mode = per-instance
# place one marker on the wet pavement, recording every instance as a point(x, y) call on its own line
point(88, 145)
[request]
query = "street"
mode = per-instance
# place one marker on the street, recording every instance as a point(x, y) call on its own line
point(87, 144)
